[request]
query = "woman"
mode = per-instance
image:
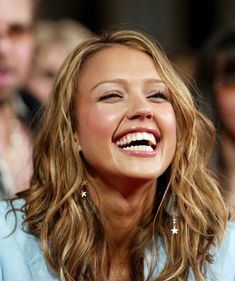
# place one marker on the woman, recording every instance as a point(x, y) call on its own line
point(120, 189)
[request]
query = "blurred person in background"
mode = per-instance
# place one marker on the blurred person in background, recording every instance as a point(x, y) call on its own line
point(216, 78)
point(16, 107)
point(54, 40)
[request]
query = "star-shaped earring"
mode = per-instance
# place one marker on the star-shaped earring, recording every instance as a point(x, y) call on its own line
point(83, 193)
point(174, 230)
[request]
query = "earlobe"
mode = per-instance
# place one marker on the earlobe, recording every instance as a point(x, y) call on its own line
point(77, 143)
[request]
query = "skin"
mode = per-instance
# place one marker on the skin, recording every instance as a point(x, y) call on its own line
point(15, 51)
point(47, 62)
point(124, 182)
point(225, 101)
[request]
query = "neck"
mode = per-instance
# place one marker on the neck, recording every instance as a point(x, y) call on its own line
point(122, 211)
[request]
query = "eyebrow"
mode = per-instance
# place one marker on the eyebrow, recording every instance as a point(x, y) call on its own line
point(123, 81)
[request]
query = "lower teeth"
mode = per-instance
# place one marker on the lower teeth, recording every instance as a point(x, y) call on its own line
point(139, 148)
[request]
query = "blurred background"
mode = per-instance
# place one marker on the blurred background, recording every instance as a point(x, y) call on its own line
point(179, 25)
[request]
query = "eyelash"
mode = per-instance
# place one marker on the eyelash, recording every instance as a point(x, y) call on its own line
point(159, 94)
point(113, 95)
point(109, 96)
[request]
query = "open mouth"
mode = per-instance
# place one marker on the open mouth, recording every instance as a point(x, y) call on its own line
point(138, 141)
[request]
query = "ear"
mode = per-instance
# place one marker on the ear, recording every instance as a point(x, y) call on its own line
point(76, 140)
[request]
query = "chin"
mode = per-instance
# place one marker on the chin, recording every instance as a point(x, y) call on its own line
point(143, 177)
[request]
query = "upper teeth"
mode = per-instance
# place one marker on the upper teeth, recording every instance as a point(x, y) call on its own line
point(136, 137)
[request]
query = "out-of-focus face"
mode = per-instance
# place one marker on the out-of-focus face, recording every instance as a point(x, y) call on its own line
point(16, 44)
point(126, 122)
point(46, 64)
point(225, 101)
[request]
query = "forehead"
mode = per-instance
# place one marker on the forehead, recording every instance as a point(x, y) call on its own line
point(15, 11)
point(51, 54)
point(119, 60)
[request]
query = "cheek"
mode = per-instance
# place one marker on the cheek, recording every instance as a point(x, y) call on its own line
point(98, 124)
point(167, 123)
point(95, 132)
point(167, 126)
point(226, 109)
point(24, 53)
point(226, 101)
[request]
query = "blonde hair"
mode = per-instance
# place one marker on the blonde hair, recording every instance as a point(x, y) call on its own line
point(71, 231)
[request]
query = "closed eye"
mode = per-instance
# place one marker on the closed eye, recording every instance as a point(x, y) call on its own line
point(110, 97)
point(158, 96)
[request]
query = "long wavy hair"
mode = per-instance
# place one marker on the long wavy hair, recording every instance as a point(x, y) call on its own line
point(71, 230)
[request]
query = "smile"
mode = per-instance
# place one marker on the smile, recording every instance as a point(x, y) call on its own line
point(138, 141)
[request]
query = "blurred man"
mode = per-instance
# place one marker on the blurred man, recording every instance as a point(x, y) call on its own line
point(16, 50)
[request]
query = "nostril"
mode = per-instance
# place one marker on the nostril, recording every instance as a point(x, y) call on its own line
point(141, 114)
point(149, 115)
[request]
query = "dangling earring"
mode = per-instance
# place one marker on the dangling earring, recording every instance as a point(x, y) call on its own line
point(84, 188)
point(173, 212)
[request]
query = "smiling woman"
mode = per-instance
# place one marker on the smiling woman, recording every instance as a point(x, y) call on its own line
point(122, 105)
point(120, 189)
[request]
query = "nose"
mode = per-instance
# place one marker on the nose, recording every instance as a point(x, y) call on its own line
point(140, 109)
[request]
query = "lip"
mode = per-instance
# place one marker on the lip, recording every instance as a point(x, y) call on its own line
point(6, 76)
point(155, 132)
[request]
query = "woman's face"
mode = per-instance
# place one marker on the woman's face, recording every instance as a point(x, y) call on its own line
point(225, 100)
point(126, 123)
point(45, 67)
